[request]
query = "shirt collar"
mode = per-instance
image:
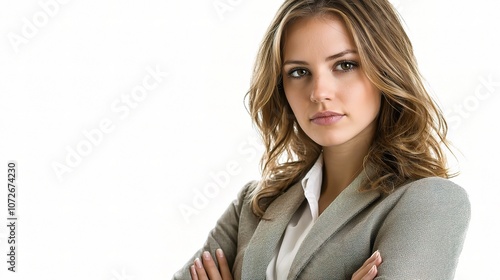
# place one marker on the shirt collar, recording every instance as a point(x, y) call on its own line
point(311, 183)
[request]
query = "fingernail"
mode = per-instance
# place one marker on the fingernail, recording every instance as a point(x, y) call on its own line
point(193, 270)
point(219, 253)
point(197, 262)
point(375, 254)
point(206, 255)
point(372, 269)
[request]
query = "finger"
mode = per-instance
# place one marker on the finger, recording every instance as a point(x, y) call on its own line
point(366, 273)
point(210, 267)
point(223, 266)
point(378, 260)
point(374, 259)
point(200, 270)
point(192, 271)
point(364, 268)
point(371, 274)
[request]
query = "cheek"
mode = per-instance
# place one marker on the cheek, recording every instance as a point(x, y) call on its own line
point(295, 98)
point(374, 98)
point(374, 107)
point(367, 100)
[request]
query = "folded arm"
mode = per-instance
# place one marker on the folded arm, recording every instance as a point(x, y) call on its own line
point(423, 235)
point(224, 235)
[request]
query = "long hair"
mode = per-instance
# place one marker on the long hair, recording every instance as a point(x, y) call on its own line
point(410, 126)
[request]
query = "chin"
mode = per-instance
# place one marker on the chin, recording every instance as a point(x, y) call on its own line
point(330, 142)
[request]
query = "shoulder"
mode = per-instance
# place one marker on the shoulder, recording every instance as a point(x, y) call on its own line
point(248, 190)
point(434, 194)
point(245, 195)
point(435, 187)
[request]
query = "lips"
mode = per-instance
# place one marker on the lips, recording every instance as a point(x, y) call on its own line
point(326, 118)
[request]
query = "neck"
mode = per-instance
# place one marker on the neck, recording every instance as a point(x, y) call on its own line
point(341, 165)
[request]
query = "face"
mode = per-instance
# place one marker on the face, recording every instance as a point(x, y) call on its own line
point(331, 97)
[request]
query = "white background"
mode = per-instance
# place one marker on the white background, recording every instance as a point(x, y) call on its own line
point(115, 212)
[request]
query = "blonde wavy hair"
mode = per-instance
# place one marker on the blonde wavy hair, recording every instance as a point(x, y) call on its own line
point(411, 128)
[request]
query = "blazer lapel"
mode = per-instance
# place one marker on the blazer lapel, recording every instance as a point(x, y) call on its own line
point(268, 233)
point(346, 206)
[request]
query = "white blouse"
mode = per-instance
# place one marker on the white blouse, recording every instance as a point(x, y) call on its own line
point(299, 226)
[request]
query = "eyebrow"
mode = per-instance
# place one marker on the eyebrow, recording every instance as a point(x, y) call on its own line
point(332, 57)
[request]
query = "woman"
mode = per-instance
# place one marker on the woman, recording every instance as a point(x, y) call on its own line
point(354, 182)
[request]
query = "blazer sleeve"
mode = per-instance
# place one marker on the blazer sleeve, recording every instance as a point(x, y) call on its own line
point(224, 235)
point(423, 235)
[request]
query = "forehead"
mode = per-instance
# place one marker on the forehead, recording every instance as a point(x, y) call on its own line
point(325, 33)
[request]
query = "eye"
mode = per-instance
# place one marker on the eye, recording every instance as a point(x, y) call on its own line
point(346, 66)
point(298, 73)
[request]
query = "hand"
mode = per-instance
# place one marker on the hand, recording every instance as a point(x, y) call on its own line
point(368, 271)
point(208, 269)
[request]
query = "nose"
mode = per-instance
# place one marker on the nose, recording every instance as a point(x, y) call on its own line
point(322, 89)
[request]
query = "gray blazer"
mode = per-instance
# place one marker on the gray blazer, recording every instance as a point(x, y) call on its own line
point(419, 230)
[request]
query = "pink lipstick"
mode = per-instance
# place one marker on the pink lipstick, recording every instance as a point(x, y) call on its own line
point(326, 118)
